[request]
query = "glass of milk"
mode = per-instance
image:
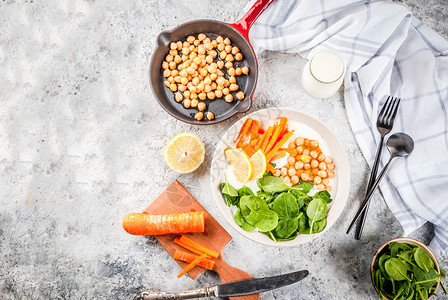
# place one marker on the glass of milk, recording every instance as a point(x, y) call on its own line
point(323, 74)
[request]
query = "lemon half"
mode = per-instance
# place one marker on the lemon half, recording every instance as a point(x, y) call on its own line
point(184, 153)
point(242, 167)
point(259, 164)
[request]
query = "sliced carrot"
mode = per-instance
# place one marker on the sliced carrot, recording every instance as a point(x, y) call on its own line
point(192, 265)
point(189, 258)
point(273, 139)
point(254, 130)
point(283, 122)
point(147, 224)
point(278, 155)
point(254, 143)
point(189, 242)
point(270, 168)
point(242, 130)
point(176, 241)
point(279, 145)
point(248, 149)
point(260, 141)
point(245, 132)
point(266, 140)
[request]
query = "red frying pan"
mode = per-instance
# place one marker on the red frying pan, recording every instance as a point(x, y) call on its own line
point(238, 33)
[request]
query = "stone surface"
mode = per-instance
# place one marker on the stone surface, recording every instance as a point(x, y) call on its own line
point(82, 140)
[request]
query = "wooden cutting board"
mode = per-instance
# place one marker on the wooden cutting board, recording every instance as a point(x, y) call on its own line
point(176, 199)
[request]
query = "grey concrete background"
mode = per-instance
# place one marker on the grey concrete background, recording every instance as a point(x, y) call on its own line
point(81, 146)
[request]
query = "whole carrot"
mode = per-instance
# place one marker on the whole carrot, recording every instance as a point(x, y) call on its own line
point(146, 224)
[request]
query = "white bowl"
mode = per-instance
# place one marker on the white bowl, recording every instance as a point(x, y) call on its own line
point(304, 126)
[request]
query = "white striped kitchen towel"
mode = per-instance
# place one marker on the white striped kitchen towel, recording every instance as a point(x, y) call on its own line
point(388, 52)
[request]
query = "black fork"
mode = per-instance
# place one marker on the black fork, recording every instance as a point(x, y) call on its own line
point(384, 124)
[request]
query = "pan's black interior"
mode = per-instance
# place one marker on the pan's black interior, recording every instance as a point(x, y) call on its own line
point(221, 109)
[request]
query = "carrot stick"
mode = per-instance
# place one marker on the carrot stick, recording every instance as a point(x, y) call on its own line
point(244, 133)
point(260, 141)
point(253, 143)
point(176, 240)
point(279, 145)
point(254, 130)
point(248, 149)
point(189, 242)
point(283, 123)
point(241, 130)
point(192, 265)
point(273, 139)
point(266, 140)
point(146, 224)
point(278, 155)
point(270, 168)
point(189, 258)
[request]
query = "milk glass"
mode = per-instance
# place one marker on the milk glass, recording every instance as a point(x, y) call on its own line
point(323, 74)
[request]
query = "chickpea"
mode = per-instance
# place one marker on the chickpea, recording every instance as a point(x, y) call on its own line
point(325, 181)
point(228, 65)
point(314, 143)
point(220, 39)
point(183, 80)
point(208, 46)
point(313, 153)
point(213, 76)
point(227, 83)
point(178, 97)
point(291, 145)
point(235, 50)
point(209, 59)
point(314, 164)
point(228, 48)
point(201, 49)
point(177, 59)
point(239, 57)
point(214, 43)
point(322, 174)
point(165, 65)
point(173, 87)
point(233, 87)
point(238, 71)
point(207, 80)
point(292, 171)
point(220, 81)
point(196, 42)
point(305, 177)
point(194, 96)
point(187, 94)
point(232, 79)
point(192, 89)
point(185, 51)
point(305, 158)
point(177, 79)
point(221, 46)
point(322, 165)
point(213, 53)
point(194, 103)
point(184, 58)
point(284, 171)
point(211, 69)
point(299, 165)
point(245, 70)
point(317, 180)
point(306, 151)
point(229, 57)
point(314, 172)
point(190, 39)
point(231, 71)
point(306, 166)
point(330, 166)
point(169, 58)
point(321, 157)
point(291, 160)
point(218, 93)
point(170, 79)
point(240, 95)
point(173, 53)
point(321, 187)
point(186, 44)
point(187, 103)
point(330, 174)
point(220, 64)
point(210, 116)
point(202, 96)
point(211, 95)
point(172, 65)
point(213, 86)
point(199, 116)
point(227, 41)
point(190, 70)
point(287, 180)
point(328, 160)
point(294, 179)
point(299, 149)
point(195, 80)
point(166, 73)
point(225, 92)
point(181, 88)
point(207, 88)
point(222, 55)
point(201, 106)
point(201, 37)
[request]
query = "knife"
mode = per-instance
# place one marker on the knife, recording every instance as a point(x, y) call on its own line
point(231, 289)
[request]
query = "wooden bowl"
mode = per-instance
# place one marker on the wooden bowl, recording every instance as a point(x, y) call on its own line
point(405, 240)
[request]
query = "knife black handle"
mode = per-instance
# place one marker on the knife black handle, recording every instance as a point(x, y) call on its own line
point(190, 294)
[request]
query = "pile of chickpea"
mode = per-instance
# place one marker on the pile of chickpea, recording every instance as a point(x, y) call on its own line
point(307, 162)
point(194, 71)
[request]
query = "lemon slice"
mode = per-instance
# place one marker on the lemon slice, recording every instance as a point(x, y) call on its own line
point(242, 167)
point(184, 153)
point(259, 164)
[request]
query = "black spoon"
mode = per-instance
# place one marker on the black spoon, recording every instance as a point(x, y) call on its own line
point(398, 144)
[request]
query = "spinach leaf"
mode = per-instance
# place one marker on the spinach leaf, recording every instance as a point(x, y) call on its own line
point(263, 219)
point(423, 260)
point(381, 261)
point(304, 186)
point(245, 191)
point(317, 209)
point(425, 279)
point(285, 205)
point(323, 195)
point(268, 198)
point(240, 221)
point(272, 184)
point(304, 226)
point(286, 227)
point(227, 189)
point(319, 225)
point(301, 197)
point(396, 269)
point(396, 248)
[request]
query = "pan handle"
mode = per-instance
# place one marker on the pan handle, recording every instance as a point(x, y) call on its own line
point(244, 24)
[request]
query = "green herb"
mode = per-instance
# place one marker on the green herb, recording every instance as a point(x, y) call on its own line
point(277, 210)
point(404, 271)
